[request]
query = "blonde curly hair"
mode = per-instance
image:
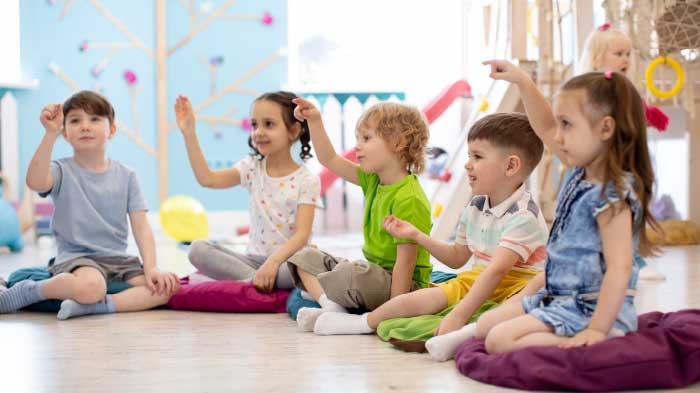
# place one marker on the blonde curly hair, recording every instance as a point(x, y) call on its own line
point(403, 128)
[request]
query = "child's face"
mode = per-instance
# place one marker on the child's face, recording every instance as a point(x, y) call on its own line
point(580, 143)
point(270, 134)
point(617, 56)
point(373, 153)
point(486, 167)
point(86, 132)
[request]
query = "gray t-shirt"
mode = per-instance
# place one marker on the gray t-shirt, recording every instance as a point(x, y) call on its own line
point(91, 211)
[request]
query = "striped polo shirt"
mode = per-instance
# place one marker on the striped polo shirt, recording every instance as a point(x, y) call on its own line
point(516, 224)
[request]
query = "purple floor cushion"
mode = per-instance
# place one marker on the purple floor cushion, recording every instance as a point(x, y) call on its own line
point(227, 296)
point(663, 353)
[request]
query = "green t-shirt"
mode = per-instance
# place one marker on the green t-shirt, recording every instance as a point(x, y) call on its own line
point(405, 200)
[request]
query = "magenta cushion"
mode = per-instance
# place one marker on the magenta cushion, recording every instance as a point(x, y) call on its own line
point(228, 296)
point(663, 353)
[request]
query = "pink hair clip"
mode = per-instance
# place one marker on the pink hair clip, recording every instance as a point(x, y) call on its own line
point(608, 74)
point(604, 26)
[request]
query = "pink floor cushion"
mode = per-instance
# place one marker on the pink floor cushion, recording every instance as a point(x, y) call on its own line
point(228, 296)
point(663, 353)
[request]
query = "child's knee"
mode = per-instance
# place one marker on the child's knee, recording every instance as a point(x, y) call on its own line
point(482, 327)
point(198, 252)
point(497, 339)
point(90, 291)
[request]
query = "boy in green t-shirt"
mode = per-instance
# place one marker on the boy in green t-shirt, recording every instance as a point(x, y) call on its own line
point(391, 140)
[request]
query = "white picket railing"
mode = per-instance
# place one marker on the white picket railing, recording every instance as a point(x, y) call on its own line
point(9, 146)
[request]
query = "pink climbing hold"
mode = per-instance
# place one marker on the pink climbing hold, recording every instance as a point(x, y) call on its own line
point(245, 124)
point(130, 77)
point(267, 19)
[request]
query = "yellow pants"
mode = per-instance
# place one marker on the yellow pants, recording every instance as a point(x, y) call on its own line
point(512, 283)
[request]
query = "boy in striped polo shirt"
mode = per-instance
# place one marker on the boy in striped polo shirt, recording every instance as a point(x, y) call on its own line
point(501, 232)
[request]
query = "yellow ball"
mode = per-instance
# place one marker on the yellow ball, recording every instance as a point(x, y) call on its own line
point(183, 218)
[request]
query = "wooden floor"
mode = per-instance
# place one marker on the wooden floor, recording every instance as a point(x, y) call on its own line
point(169, 351)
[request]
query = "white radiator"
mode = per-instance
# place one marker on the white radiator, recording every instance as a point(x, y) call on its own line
point(9, 146)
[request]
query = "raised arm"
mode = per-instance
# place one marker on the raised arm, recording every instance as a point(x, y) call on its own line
point(223, 178)
point(39, 177)
point(323, 147)
point(539, 112)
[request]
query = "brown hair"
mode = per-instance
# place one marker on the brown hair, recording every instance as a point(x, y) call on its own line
point(92, 103)
point(403, 127)
point(284, 100)
point(510, 131)
point(627, 151)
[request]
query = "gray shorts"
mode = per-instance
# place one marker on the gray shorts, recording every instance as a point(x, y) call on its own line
point(112, 268)
point(352, 284)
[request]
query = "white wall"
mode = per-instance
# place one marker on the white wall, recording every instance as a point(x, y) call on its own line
point(388, 45)
point(9, 41)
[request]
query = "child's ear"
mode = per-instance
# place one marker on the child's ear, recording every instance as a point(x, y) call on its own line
point(607, 128)
point(513, 165)
point(295, 131)
point(112, 130)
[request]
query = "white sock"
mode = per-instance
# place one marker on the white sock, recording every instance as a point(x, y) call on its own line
point(307, 296)
point(329, 305)
point(444, 347)
point(306, 318)
point(331, 323)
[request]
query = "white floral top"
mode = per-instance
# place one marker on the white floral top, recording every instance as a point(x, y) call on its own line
point(273, 202)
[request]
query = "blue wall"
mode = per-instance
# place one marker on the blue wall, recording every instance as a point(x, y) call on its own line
point(243, 44)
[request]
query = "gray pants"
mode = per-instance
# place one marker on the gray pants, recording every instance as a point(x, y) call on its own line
point(220, 263)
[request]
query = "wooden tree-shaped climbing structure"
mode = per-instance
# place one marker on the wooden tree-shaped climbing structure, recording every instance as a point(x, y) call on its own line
point(198, 21)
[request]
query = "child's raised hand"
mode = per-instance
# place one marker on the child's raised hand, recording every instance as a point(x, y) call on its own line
point(305, 110)
point(184, 115)
point(399, 228)
point(505, 70)
point(584, 338)
point(51, 117)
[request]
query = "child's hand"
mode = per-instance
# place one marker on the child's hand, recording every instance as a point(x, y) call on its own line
point(450, 323)
point(584, 338)
point(264, 279)
point(305, 110)
point(399, 228)
point(162, 282)
point(184, 115)
point(51, 117)
point(505, 70)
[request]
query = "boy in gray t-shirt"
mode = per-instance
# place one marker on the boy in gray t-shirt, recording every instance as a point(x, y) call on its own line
point(93, 196)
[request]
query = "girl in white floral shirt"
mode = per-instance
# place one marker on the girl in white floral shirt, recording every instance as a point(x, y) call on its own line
point(283, 193)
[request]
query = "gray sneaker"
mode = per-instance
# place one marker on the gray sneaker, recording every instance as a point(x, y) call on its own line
point(3, 285)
